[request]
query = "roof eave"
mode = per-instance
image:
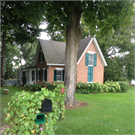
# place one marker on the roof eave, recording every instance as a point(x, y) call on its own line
point(98, 49)
point(52, 64)
point(100, 52)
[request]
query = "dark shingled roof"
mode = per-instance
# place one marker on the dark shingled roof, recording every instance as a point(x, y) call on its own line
point(83, 44)
point(54, 51)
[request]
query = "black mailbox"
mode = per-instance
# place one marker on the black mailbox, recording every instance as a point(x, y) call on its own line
point(46, 106)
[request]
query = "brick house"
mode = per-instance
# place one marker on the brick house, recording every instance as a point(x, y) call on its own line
point(49, 62)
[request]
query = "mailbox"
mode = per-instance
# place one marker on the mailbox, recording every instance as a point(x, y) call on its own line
point(46, 106)
point(40, 118)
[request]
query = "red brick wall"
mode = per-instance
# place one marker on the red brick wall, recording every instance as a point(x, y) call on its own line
point(51, 72)
point(82, 70)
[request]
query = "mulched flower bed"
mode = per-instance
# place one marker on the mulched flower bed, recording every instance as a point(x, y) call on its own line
point(79, 104)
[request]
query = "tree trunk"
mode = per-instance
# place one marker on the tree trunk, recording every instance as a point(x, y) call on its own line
point(73, 37)
point(3, 53)
point(8, 74)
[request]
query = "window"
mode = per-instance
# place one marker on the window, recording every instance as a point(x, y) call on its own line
point(41, 56)
point(38, 75)
point(44, 74)
point(33, 75)
point(59, 74)
point(90, 60)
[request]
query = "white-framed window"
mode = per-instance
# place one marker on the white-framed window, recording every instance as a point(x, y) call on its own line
point(59, 75)
point(33, 75)
point(91, 59)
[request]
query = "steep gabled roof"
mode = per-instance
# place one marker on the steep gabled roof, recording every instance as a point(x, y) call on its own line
point(54, 51)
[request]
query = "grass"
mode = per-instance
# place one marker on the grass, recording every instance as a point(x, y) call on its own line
point(105, 113)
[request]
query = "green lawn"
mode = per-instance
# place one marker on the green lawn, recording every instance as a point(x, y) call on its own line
point(105, 113)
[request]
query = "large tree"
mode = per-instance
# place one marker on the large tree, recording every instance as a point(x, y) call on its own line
point(98, 15)
point(65, 16)
point(19, 23)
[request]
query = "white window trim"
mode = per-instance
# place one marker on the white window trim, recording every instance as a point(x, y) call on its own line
point(61, 76)
point(90, 82)
point(93, 59)
point(90, 52)
point(60, 69)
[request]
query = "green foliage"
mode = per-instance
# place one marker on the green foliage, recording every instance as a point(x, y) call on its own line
point(110, 86)
point(22, 110)
point(88, 88)
point(31, 48)
point(96, 16)
point(48, 85)
point(22, 27)
point(124, 85)
point(34, 87)
point(11, 61)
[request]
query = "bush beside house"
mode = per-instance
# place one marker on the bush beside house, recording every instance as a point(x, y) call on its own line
point(108, 86)
point(86, 88)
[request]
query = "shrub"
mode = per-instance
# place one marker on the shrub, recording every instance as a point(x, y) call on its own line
point(50, 86)
point(88, 88)
point(34, 87)
point(22, 110)
point(112, 86)
point(124, 85)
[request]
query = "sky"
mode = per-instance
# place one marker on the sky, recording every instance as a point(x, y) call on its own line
point(43, 35)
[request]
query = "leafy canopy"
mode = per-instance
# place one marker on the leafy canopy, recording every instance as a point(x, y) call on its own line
point(105, 15)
